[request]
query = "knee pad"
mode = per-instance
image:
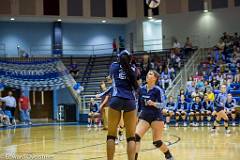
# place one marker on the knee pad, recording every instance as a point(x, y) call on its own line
point(233, 112)
point(158, 143)
point(131, 139)
point(111, 138)
point(226, 121)
point(137, 138)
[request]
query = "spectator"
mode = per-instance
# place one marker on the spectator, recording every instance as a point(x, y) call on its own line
point(4, 119)
point(10, 104)
point(24, 108)
point(114, 46)
point(121, 43)
point(74, 70)
point(188, 46)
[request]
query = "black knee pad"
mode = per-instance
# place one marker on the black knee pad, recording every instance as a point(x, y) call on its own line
point(233, 112)
point(158, 143)
point(131, 139)
point(137, 138)
point(111, 138)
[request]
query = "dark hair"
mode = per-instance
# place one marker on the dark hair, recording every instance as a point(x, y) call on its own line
point(125, 62)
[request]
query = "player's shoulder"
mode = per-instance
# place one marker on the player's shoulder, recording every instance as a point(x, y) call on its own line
point(157, 88)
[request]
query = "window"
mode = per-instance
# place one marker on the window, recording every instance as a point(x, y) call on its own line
point(195, 5)
point(98, 8)
point(5, 7)
point(119, 8)
point(27, 7)
point(237, 2)
point(219, 4)
point(51, 7)
point(75, 7)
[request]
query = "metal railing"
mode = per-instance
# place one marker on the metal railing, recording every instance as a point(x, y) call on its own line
point(189, 69)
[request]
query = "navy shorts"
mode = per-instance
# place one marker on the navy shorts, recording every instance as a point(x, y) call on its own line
point(151, 116)
point(218, 109)
point(122, 104)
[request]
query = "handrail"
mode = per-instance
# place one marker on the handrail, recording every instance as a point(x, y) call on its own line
point(188, 70)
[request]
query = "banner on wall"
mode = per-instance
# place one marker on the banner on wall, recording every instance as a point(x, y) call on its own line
point(35, 75)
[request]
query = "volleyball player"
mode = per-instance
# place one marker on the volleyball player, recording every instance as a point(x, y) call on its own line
point(207, 109)
point(220, 102)
point(151, 114)
point(181, 111)
point(195, 111)
point(169, 110)
point(230, 108)
point(124, 83)
point(93, 114)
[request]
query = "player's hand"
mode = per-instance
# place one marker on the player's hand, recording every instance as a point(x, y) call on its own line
point(97, 96)
point(151, 103)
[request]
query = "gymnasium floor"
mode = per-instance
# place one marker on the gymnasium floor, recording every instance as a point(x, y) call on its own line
point(75, 142)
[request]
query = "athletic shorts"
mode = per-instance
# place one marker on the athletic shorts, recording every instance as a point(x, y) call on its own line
point(218, 109)
point(122, 104)
point(151, 116)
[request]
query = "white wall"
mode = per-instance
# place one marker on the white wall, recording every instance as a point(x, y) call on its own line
point(204, 28)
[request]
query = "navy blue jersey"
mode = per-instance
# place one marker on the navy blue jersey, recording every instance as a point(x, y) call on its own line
point(154, 94)
point(221, 100)
point(170, 106)
point(207, 105)
point(231, 104)
point(93, 107)
point(120, 82)
point(196, 106)
point(182, 106)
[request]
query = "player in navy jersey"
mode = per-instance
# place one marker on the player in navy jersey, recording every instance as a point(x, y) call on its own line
point(220, 102)
point(169, 110)
point(124, 84)
point(207, 109)
point(151, 114)
point(230, 108)
point(93, 114)
point(195, 111)
point(181, 110)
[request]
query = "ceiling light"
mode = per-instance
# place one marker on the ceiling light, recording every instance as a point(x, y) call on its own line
point(104, 21)
point(59, 20)
point(12, 19)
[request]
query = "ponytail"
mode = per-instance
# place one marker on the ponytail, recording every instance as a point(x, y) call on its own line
point(124, 61)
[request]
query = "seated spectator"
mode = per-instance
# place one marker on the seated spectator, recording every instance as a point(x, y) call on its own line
point(74, 70)
point(166, 79)
point(210, 94)
point(4, 119)
point(176, 44)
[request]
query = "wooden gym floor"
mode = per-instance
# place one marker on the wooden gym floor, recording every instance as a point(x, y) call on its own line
point(74, 142)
